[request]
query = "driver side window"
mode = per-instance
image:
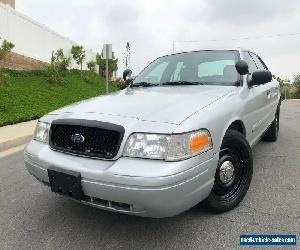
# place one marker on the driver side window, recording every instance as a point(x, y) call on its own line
point(251, 64)
point(258, 61)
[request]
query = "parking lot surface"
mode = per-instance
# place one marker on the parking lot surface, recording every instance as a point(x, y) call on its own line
point(31, 217)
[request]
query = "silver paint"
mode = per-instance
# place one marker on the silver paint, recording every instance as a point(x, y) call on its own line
point(159, 188)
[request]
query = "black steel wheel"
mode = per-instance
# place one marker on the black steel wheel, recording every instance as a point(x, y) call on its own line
point(233, 174)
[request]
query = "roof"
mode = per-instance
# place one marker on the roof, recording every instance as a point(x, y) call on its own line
point(208, 49)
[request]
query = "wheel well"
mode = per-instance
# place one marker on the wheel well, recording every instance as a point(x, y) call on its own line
point(239, 126)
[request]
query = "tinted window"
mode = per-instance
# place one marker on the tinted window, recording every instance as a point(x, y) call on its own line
point(155, 74)
point(215, 68)
point(208, 67)
point(176, 76)
point(265, 66)
point(258, 62)
point(251, 64)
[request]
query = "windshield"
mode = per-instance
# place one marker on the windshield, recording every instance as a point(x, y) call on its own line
point(206, 67)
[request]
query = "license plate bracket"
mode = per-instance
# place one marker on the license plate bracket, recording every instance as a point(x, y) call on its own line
point(65, 182)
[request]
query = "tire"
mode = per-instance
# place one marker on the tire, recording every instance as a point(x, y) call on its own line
point(271, 134)
point(233, 174)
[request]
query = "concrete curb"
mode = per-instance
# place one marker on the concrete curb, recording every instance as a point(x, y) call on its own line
point(293, 100)
point(15, 135)
point(14, 142)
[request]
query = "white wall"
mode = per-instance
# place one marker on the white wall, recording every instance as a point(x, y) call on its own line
point(33, 39)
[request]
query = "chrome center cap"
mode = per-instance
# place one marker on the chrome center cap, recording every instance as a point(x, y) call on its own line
point(226, 172)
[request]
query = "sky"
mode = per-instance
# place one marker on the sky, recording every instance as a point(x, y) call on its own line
point(271, 28)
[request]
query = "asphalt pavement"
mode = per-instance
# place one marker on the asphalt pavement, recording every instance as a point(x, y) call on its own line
point(31, 217)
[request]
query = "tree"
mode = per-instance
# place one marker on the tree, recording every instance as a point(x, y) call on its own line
point(101, 64)
point(78, 54)
point(4, 79)
point(58, 66)
point(112, 65)
point(280, 81)
point(285, 87)
point(297, 86)
point(5, 48)
point(91, 66)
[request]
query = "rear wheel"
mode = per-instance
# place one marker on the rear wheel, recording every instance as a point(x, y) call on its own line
point(233, 174)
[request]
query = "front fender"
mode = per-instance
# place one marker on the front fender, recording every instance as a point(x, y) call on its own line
point(216, 117)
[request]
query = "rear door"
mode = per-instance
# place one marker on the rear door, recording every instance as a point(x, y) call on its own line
point(255, 99)
point(272, 94)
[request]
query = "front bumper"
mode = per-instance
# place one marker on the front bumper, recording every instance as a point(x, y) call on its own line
point(141, 187)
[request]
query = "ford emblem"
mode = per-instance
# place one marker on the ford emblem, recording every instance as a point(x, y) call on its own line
point(77, 138)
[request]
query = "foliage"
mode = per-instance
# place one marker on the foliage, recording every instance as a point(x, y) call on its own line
point(101, 64)
point(24, 73)
point(4, 79)
point(30, 96)
point(78, 54)
point(280, 81)
point(285, 88)
point(285, 92)
point(89, 76)
point(120, 83)
point(58, 67)
point(91, 66)
point(112, 65)
point(5, 48)
point(297, 86)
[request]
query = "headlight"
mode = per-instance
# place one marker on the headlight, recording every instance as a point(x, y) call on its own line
point(183, 146)
point(153, 146)
point(41, 132)
point(173, 147)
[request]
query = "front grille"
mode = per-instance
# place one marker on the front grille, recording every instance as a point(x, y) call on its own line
point(85, 137)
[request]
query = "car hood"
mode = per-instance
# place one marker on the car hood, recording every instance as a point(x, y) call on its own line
point(166, 104)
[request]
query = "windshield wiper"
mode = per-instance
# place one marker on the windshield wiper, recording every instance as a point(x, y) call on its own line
point(182, 83)
point(143, 84)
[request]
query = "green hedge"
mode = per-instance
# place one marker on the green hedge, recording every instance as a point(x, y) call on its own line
point(29, 95)
point(24, 73)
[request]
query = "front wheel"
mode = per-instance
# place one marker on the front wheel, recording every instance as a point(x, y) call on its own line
point(233, 174)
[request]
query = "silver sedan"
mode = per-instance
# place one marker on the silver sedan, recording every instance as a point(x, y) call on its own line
point(180, 133)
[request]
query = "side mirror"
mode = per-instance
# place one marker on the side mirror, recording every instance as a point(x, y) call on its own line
point(261, 77)
point(242, 67)
point(127, 76)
